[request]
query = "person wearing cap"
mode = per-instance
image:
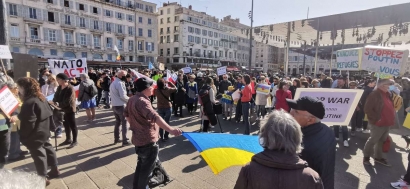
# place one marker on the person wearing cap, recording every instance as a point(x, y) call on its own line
point(144, 124)
point(381, 117)
point(319, 144)
point(65, 99)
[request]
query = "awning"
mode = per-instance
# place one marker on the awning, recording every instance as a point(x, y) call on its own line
point(232, 68)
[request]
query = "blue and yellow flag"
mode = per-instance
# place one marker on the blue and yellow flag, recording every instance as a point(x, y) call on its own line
point(221, 151)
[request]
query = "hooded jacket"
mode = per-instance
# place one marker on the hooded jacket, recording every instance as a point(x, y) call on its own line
point(273, 169)
point(35, 119)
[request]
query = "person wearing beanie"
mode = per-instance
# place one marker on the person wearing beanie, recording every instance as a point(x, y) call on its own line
point(65, 99)
point(145, 123)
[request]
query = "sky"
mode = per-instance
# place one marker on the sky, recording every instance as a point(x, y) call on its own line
point(277, 11)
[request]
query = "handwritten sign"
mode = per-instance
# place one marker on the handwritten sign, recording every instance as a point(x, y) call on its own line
point(385, 61)
point(221, 70)
point(349, 59)
point(5, 52)
point(340, 104)
point(8, 102)
point(72, 68)
point(263, 89)
point(187, 70)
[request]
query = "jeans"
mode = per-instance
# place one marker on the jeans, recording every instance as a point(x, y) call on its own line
point(43, 157)
point(407, 175)
point(205, 126)
point(165, 113)
point(228, 109)
point(120, 120)
point(70, 126)
point(344, 131)
point(245, 113)
point(15, 150)
point(260, 110)
point(375, 142)
point(107, 98)
point(356, 121)
point(4, 146)
point(147, 156)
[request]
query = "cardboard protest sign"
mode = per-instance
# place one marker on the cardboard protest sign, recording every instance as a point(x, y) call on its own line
point(340, 104)
point(187, 70)
point(263, 89)
point(349, 59)
point(72, 68)
point(221, 70)
point(384, 60)
point(5, 52)
point(8, 102)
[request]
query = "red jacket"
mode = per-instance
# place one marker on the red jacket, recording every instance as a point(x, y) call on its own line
point(246, 93)
point(281, 97)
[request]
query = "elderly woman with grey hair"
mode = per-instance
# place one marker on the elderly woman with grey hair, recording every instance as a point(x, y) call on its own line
point(86, 96)
point(278, 166)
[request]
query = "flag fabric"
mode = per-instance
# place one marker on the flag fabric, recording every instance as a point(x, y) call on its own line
point(143, 76)
point(171, 77)
point(221, 150)
point(150, 66)
point(118, 53)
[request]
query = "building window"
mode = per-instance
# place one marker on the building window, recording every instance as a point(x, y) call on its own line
point(204, 41)
point(131, 31)
point(108, 13)
point(210, 41)
point(52, 35)
point(168, 11)
point(168, 39)
point(68, 37)
point(66, 3)
point(140, 33)
point(130, 45)
point(34, 32)
point(204, 32)
point(149, 21)
point(96, 41)
point(129, 17)
point(176, 38)
point(53, 52)
point(176, 18)
point(119, 15)
point(169, 20)
point(210, 33)
point(50, 16)
point(161, 52)
point(198, 31)
point(168, 30)
point(161, 21)
point(168, 51)
point(176, 28)
point(33, 13)
point(16, 49)
point(67, 19)
point(95, 10)
point(140, 46)
point(120, 43)
point(82, 22)
point(161, 39)
point(119, 29)
point(190, 29)
point(96, 26)
point(109, 42)
point(149, 33)
point(191, 38)
point(13, 9)
point(131, 58)
point(50, 1)
point(161, 12)
point(176, 50)
point(84, 54)
point(14, 31)
point(197, 40)
point(81, 7)
point(140, 20)
point(83, 39)
point(108, 27)
point(109, 56)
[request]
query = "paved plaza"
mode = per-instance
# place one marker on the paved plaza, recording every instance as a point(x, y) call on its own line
point(97, 163)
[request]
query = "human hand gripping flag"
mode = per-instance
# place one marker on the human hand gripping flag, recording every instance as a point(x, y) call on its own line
point(221, 150)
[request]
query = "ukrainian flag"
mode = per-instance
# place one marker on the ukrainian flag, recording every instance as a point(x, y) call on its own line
point(221, 151)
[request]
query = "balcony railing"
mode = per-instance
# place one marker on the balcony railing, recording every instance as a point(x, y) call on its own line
point(15, 39)
point(34, 40)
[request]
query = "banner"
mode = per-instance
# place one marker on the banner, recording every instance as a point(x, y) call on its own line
point(8, 102)
point(340, 104)
point(187, 70)
point(72, 68)
point(385, 61)
point(263, 89)
point(221, 70)
point(349, 59)
point(5, 52)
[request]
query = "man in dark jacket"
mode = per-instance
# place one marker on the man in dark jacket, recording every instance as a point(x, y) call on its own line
point(224, 84)
point(106, 89)
point(319, 144)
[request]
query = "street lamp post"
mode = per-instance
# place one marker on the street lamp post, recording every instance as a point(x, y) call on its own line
point(250, 38)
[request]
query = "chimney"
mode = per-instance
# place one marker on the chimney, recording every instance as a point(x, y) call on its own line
point(190, 7)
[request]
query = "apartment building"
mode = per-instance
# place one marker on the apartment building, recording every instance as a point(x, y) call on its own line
point(84, 29)
point(189, 37)
point(265, 57)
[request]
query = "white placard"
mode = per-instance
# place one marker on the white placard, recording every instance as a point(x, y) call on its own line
point(221, 70)
point(187, 70)
point(340, 104)
point(5, 52)
point(72, 68)
point(385, 61)
point(348, 59)
point(8, 102)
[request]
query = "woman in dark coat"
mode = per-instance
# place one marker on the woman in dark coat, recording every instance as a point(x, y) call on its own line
point(36, 120)
point(179, 96)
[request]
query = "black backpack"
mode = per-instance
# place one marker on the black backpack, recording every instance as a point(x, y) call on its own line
point(93, 90)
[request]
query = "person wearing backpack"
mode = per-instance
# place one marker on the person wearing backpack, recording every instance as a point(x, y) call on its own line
point(87, 93)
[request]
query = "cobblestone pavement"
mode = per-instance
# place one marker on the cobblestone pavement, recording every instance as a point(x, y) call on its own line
point(97, 163)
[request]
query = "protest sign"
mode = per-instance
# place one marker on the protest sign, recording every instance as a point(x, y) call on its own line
point(263, 89)
point(385, 61)
point(236, 95)
point(221, 70)
point(187, 70)
point(8, 102)
point(349, 59)
point(339, 104)
point(5, 52)
point(72, 68)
